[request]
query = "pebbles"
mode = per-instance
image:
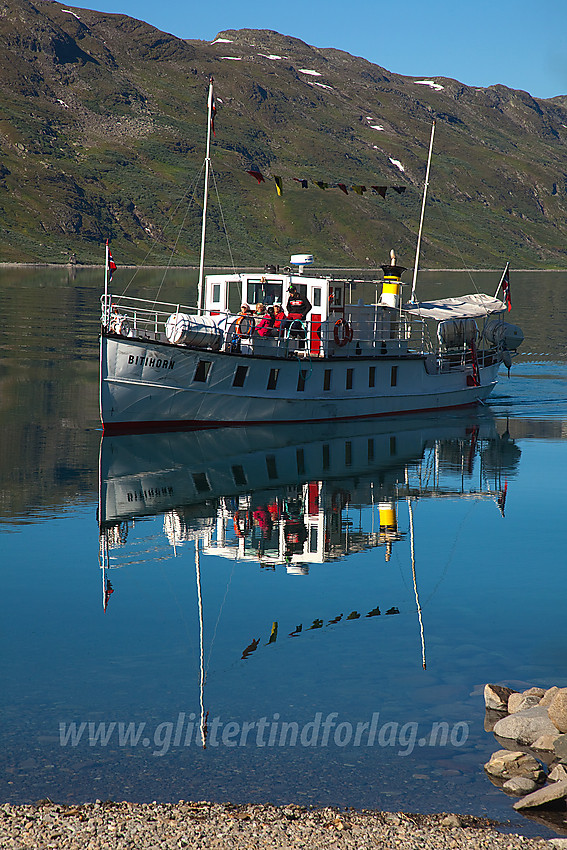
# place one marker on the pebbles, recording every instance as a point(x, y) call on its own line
point(121, 826)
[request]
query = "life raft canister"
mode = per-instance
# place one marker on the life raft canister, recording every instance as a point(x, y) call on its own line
point(342, 332)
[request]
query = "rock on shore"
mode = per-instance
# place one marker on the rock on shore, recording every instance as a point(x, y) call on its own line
point(531, 725)
point(98, 826)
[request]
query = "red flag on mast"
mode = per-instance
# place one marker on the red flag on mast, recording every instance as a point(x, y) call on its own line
point(506, 287)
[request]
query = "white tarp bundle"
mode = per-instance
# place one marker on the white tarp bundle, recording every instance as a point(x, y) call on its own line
point(465, 307)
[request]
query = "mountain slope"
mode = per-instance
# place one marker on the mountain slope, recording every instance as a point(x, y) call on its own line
point(102, 134)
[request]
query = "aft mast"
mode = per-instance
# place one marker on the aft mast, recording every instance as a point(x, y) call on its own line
point(426, 186)
point(205, 196)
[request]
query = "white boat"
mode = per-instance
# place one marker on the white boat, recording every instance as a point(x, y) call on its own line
point(359, 350)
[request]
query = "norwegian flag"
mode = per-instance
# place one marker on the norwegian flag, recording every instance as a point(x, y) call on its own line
point(506, 287)
point(111, 265)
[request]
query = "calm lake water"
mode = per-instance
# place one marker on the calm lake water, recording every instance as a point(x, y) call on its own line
point(281, 586)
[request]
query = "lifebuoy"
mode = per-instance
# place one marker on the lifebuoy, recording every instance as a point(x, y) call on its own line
point(245, 325)
point(342, 332)
point(242, 523)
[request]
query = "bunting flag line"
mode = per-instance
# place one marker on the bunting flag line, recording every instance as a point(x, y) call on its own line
point(258, 175)
point(358, 188)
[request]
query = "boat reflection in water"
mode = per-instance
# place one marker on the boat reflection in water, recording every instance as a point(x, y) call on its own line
point(289, 497)
point(294, 496)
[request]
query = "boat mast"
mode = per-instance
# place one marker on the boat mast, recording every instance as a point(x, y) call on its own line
point(205, 197)
point(416, 264)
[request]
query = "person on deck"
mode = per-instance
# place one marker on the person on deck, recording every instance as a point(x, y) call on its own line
point(266, 324)
point(298, 307)
point(279, 316)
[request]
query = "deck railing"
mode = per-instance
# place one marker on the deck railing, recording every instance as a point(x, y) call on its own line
point(401, 334)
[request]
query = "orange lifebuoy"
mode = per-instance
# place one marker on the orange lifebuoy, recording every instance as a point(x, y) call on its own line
point(342, 332)
point(245, 325)
point(242, 523)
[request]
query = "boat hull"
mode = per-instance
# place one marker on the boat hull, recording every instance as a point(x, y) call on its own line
point(146, 385)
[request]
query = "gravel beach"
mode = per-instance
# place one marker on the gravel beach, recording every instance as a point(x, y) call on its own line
point(97, 825)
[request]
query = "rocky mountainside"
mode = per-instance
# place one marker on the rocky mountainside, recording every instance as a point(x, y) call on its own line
point(102, 135)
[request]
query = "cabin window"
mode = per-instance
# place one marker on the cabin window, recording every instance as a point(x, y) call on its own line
point(216, 293)
point(313, 538)
point(240, 376)
point(301, 378)
point(326, 456)
point(349, 378)
point(394, 376)
point(335, 296)
point(393, 447)
point(201, 482)
point(327, 379)
point(239, 476)
point(273, 379)
point(271, 467)
point(317, 296)
point(300, 460)
point(202, 370)
point(371, 449)
point(348, 453)
point(372, 376)
point(263, 291)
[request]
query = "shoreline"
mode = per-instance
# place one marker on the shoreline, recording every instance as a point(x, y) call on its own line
point(224, 825)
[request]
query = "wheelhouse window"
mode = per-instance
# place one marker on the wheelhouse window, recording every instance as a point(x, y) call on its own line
point(216, 293)
point(349, 374)
point(265, 291)
point(316, 296)
point(327, 379)
point(273, 379)
point(240, 376)
point(202, 370)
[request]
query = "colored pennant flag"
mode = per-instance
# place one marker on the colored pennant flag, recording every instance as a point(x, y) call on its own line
point(321, 184)
point(279, 185)
point(506, 287)
point(111, 263)
point(304, 183)
point(399, 189)
point(259, 177)
point(380, 190)
point(360, 190)
point(343, 188)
